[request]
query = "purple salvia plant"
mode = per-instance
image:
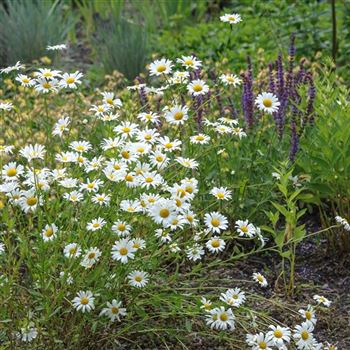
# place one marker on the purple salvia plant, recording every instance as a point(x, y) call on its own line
point(272, 84)
point(248, 95)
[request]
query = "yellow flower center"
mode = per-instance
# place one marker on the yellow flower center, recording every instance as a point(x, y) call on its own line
point(32, 201)
point(232, 18)
point(49, 232)
point(200, 138)
point(95, 225)
point(114, 310)
point(149, 179)
point(220, 195)
point(168, 145)
point(308, 315)
point(121, 227)
point(136, 245)
point(70, 80)
point(224, 317)
point(305, 335)
point(164, 213)
point(188, 62)
point(215, 222)
point(125, 154)
point(138, 278)
point(267, 102)
point(46, 85)
point(278, 334)
point(123, 251)
point(47, 74)
point(159, 158)
point(197, 88)
point(178, 115)
point(189, 189)
point(91, 255)
point(260, 278)
point(109, 101)
point(215, 243)
point(11, 172)
point(129, 178)
point(25, 80)
point(244, 229)
point(91, 185)
point(72, 250)
point(80, 148)
point(262, 345)
point(148, 137)
point(161, 68)
point(116, 167)
point(84, 301)
point(126, 129)
point(141, 150)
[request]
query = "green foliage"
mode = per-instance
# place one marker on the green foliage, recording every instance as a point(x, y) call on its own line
point(27, 27)
point(122, 46)
point(290, 233)
point(326, 155)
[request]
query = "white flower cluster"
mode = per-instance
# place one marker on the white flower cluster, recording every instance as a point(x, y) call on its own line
point(343, 222)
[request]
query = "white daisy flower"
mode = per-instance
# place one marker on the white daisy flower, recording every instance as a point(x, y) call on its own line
point(258, 277)
point(190, 62)
point(231, 18)
point(109, 99)
point(49, 232)
point(233, 297)
point(303, 336)
point(220, 318)
point(200, 138)
point(279, 335)
point(159, 67)
point(206, 304)
point(309, 314)
point(221, 193)
point(215, 245)
point(58, 47)
point(71, 80)
point(195, 252)
point(33, 152)
point(230, 79)
point(259, 341)
point(267, 102)
point(215, 222)
point(113, 310)
point(25, 80)
point(177, 115)
point(95, 224)
point(322, 300)
point(138, 279)
point(198, 87)
point(121, 228)
point(245, 229)
point(123, 250)
point(84, 301)
point(72, 250)
point(91, 257)
point(187, 162)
